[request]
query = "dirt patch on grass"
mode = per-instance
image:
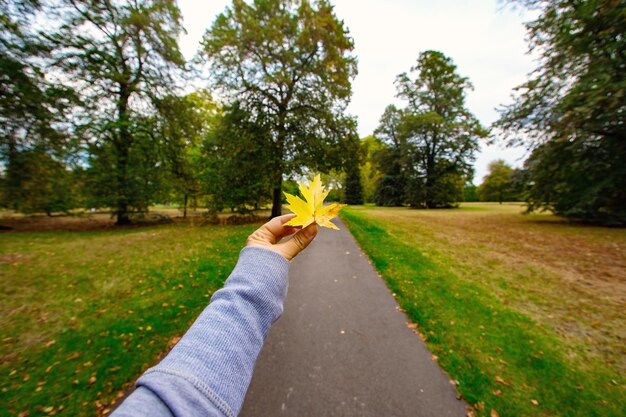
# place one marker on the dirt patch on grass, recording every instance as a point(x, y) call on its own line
point(102, 221)
point(12, 258)
point(590, 257)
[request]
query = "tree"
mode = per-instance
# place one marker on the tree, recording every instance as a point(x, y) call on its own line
point(370, 172)
point(182, 125)
point(577, 180)
point(31, 106)
point(122, 56)
point(288, 63)
point(353, 189)
point(148, 177)
point(390, 159)
point(497, 184)
point(43, 184)
point(440, 132)
point(572, 106)
point(238, 173)
point(470, 193)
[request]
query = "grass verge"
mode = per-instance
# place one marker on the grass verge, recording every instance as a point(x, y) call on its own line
point(84, 313)
point(483, 317)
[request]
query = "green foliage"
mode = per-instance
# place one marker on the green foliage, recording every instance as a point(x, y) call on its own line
point(441, 134)
point(31, 106)
point(470, 193)
point(183, 123)
point(145, 179)
point(390, 160)
point(353, 189)
point(581, 180)
point(122, 56)
point(35, 183)
point(574, 103)
point(431, 142)
point(498, 183)
point(238, 165)
point(289, 63)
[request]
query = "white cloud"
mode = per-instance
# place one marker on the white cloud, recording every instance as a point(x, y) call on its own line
point(486, 42)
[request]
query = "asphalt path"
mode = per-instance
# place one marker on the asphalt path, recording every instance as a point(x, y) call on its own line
point(342, 346)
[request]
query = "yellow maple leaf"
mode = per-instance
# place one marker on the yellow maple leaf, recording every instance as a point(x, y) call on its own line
point(311, 209)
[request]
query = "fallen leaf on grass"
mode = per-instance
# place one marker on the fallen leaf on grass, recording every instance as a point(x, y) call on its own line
point(494, 413)
point(535, 402)
point(311, 209)
point(173, 341)
point(497, 393)
point(502, 381)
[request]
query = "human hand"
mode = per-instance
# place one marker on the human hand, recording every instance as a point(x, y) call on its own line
point(270, 234)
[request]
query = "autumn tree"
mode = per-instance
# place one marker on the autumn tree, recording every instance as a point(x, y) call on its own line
point(370, 171)
point(122, 56)
point(441, 134)
point(289, 63)
point(570, 113)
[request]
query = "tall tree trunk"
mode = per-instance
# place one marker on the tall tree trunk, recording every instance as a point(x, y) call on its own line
point(277, 199)
point(122, 146)
point(13, 176)
point(185, 206)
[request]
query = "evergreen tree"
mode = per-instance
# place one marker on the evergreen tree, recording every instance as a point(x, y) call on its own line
point(391, 160)
point(353, 189)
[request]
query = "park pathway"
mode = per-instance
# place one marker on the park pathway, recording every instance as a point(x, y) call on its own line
point(342, 347)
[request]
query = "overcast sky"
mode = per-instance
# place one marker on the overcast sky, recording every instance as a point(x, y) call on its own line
point(484, 39)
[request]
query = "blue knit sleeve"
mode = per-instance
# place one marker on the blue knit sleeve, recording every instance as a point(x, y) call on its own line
point(209, 370)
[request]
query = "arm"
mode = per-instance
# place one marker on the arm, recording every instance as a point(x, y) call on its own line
point(209, 370)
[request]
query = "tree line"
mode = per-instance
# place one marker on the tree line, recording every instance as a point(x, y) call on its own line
point(570, 115)
point(94, 112)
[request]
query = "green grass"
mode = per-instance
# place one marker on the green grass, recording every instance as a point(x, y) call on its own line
point(492, 317)
point(84, 313)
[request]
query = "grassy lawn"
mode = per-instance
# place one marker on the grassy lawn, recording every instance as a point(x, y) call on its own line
point(84, 313)
point(526, 313)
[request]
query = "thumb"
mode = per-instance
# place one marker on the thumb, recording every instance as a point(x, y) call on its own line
point(299, 241)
